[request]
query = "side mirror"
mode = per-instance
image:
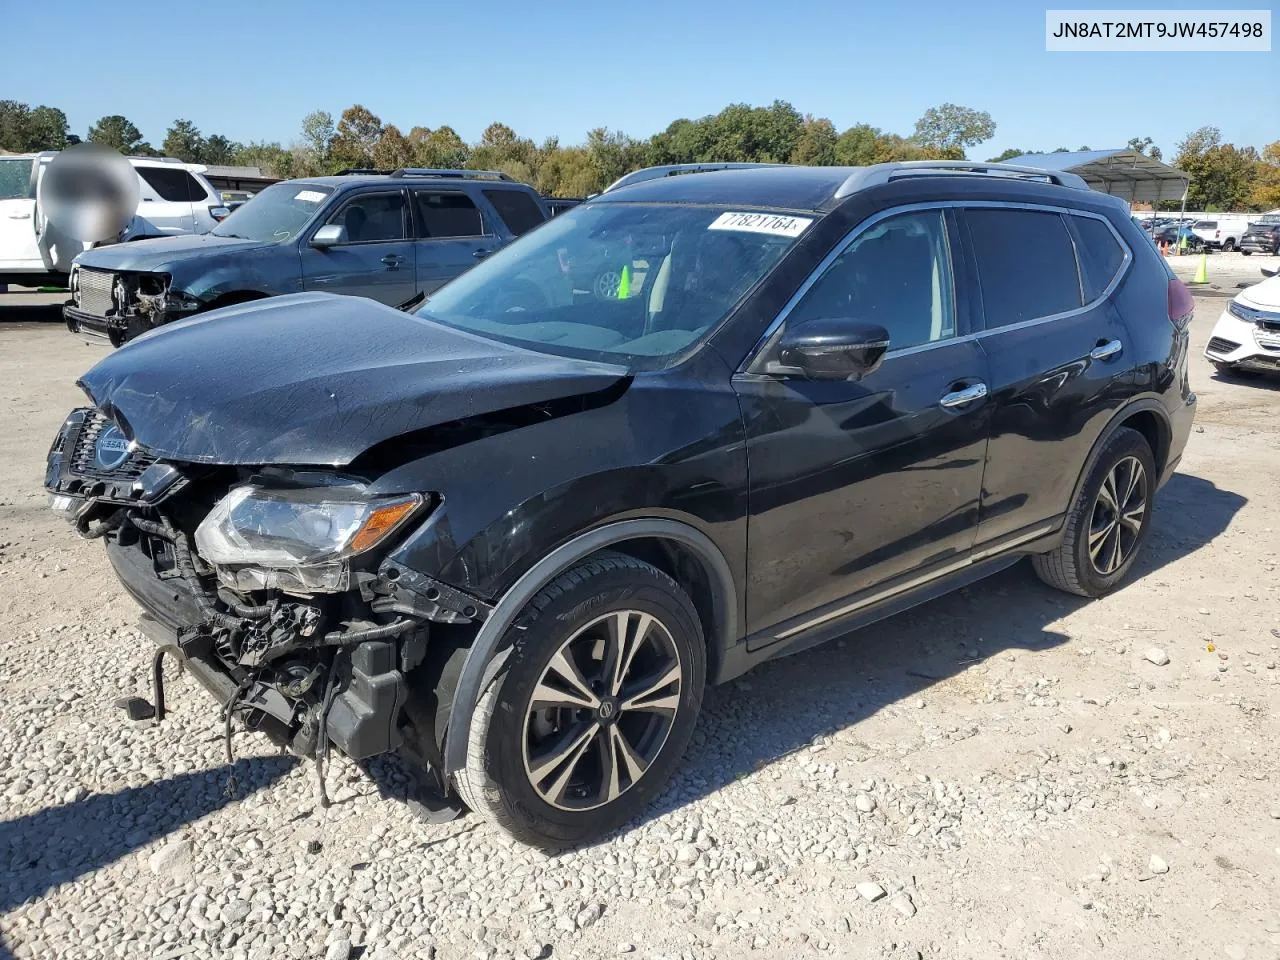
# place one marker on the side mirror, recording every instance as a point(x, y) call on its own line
point(329, 235)
point(831, 348)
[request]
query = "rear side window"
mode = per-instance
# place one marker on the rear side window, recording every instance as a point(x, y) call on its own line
point(1101, 255)
point(1205, 225)
point(447, 215)
point(1026, 264)
point(516, 208)
point(173, 184)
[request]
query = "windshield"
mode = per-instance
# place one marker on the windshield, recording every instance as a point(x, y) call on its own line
point(278, 213)
point(15, 178)
point(618, 281)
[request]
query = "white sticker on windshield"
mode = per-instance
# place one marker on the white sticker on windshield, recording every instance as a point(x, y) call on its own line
point(780, 225)
point(310, 196)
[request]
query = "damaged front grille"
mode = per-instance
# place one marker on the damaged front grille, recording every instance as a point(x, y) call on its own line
point(98, 445)
point(92, 459)
point(95, 291)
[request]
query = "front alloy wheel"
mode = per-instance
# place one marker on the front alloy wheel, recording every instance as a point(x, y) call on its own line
point(592, 708)
point(602, 711)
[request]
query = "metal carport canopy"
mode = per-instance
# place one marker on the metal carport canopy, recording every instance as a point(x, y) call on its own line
point(1126, 174)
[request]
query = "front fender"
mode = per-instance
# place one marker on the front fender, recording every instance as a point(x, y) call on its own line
point(271, 272)
point(484, 658)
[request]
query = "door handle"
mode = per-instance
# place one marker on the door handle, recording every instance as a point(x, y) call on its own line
point(481, 254)
point(963, 397)
point(19, 216)
point(392, 260)
point(1106, 349)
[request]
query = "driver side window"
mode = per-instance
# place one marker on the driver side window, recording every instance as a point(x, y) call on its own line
point(372, 217)
point(896, 274)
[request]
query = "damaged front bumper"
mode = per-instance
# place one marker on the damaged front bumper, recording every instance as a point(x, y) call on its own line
point(307, 670)
point(120, 306)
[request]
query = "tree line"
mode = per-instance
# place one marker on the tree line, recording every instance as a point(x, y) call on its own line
point(1224, 176)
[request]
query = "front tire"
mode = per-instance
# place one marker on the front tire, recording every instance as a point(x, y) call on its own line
point(591, 712)
point(1109, 521)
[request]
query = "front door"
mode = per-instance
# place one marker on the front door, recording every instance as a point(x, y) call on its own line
point(375, 258)
point(450, 236)
point(855, 483)
point(18, 248)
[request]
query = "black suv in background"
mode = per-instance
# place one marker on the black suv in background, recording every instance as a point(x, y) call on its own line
point(1263, 236)
point(516, 533)
point(394, 238)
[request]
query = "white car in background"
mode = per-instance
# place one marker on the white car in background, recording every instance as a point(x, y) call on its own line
point(1222, 232)
point(1246, 338)
point(173, 198)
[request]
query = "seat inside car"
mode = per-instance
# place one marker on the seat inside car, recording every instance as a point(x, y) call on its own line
point(355, 220)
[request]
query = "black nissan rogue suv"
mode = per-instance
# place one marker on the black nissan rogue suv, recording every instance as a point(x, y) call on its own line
point(515, 533)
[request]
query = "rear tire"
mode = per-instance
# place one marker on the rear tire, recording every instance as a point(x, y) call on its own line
point(1228, 245)
point(1109, 521)
point(1247, 252)
point(589, 715)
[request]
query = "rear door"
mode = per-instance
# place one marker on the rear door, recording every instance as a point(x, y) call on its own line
point(377, 258)
point(1058, 352)
point(451, 235)
point(519, 211)
point(168, 197)
point(18, 247)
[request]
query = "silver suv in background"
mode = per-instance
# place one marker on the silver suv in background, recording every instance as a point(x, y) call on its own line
point(395, 238)
point(173, 198)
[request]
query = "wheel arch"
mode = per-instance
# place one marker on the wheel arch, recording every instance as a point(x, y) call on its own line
point(686, 554)
point(1146, 415)
point(232, 298)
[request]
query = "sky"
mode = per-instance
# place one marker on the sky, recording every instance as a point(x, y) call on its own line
point(252, 71)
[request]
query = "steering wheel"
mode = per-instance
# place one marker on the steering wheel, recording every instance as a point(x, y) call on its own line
point(519, 297)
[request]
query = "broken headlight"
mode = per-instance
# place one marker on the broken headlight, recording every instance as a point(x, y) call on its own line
point(297, 540)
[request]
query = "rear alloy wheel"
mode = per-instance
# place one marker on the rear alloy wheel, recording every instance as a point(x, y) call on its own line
point(1109, 521)
point(590, 713)
point(1119, 516)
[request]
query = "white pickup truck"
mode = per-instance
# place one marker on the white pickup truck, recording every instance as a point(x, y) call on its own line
point(174, 198)
point(1223, 232)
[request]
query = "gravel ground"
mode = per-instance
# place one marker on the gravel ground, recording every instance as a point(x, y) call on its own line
point(1006, 772)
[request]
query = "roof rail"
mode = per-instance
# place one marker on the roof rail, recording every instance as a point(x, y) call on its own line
point(674, 169)
point(880, 173)
point(362, 172)
point(453, 173)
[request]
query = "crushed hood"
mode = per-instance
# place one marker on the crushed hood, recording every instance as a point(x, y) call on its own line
point(316, 379)
point(158, 254)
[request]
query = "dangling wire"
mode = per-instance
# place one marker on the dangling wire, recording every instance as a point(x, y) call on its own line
point(322, 738)
point(233, 782)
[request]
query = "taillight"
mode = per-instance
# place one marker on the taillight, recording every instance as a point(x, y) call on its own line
point(1217, 234)
point(1181, 304)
